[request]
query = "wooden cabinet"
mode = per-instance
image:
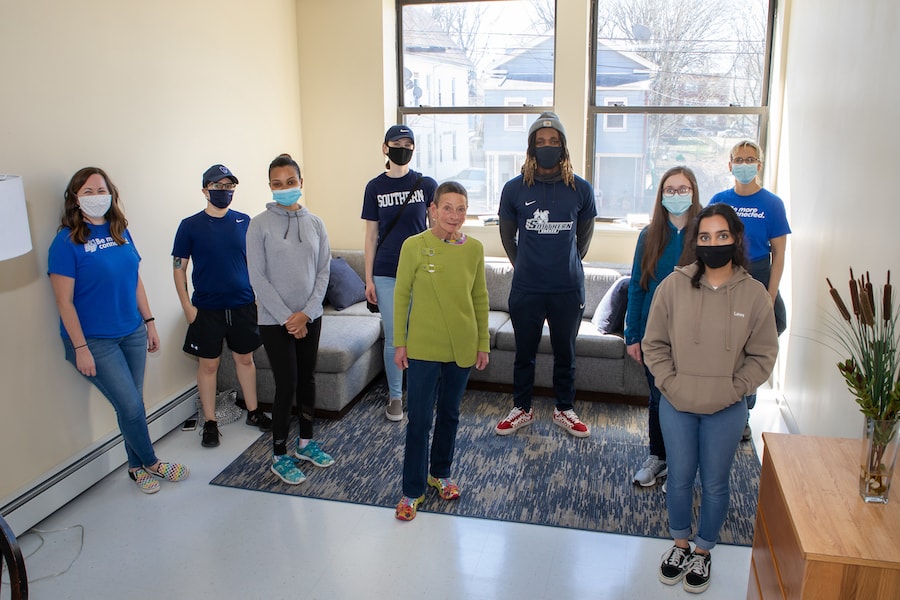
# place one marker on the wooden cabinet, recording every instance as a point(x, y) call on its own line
point(815, 538)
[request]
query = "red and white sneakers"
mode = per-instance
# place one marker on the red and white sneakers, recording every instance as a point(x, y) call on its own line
point(516, 419)
point(569, 421)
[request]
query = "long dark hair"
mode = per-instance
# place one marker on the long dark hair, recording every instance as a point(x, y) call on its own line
point(658, 231)
point(284, 160)
point(735, 226)
point(74, 219)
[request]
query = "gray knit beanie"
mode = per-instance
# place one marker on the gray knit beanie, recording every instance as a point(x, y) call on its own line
point(547, 119)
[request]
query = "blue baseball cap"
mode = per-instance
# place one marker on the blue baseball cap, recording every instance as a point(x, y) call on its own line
point(398, 132)
point(217, 173)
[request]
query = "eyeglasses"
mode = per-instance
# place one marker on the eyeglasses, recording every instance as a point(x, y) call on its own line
point(221, 186)
point(750, 160)
point(682, 191)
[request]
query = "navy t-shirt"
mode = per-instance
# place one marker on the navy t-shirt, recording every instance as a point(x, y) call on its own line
point(547, 217)
point(105, 275)
point(383, 198)
point(218, 249)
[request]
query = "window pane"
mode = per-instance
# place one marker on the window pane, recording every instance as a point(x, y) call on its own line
point(628, 164)
point(681, 53)
point(453, 147)
point(477, 53)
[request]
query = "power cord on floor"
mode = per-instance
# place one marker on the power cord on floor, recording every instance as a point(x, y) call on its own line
point(40, 535)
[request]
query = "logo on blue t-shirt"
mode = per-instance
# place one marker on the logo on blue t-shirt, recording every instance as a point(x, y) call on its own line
point(94, 244)
point(749, 212)
point(540, 222)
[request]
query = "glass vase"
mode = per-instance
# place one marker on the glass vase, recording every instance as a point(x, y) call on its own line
point(879, 456)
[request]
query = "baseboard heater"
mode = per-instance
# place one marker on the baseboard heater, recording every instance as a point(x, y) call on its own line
point(55, 488)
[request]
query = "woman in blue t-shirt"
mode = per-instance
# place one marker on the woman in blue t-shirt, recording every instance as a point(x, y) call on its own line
point(105, 319)
point(395, 206)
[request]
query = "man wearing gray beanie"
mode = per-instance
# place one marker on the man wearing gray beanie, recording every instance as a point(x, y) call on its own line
point(546, 223)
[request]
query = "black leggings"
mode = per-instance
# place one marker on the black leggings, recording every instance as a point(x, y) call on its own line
point(293, 364)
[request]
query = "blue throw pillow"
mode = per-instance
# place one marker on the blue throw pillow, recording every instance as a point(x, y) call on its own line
point(610, 314)
point(345, 288)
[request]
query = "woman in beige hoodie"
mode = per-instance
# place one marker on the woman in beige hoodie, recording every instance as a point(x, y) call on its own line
point(710, 339)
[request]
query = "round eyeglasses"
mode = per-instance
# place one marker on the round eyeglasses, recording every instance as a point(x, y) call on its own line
point(682, 191)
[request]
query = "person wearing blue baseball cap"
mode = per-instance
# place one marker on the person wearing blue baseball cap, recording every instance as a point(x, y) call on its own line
point(546, 224)
point(395, 206)
point(223, 305)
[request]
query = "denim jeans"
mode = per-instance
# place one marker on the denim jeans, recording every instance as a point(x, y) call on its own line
point(708, 442)
point(384, 289)
point(563, 314)
point(293, 364)
point(657, 444)
point(120, 377)
point(429, 382)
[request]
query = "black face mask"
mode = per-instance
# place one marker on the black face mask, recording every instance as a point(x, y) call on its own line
point(715, 257)
point(220, 198)
point(400, 156)
point(548, 157)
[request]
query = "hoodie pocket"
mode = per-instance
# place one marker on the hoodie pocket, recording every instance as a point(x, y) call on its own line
point(701, 394)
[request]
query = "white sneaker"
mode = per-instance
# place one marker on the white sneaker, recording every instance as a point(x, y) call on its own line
point(516, 419)
point(652, 469)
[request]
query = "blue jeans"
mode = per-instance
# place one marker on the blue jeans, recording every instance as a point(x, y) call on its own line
point(120, 377)
point(563, 312)
point(708, 442)
point(429, 382)
point(384, 289)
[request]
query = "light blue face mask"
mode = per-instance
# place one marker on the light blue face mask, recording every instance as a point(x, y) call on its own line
point(287, 197)
point(677, 205)
point(744, 173)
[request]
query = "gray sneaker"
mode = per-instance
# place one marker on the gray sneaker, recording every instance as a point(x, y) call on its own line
point(747, 434)
point(652, 469)
point(394, 410)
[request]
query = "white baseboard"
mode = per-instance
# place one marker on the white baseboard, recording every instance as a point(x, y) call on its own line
point(52, 490)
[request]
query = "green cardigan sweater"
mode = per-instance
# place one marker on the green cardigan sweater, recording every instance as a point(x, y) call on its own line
point(441, 300)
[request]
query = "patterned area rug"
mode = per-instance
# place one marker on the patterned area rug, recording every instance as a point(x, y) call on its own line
point(540, 475)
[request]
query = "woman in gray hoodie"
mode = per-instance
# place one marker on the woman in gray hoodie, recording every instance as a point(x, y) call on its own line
point(290, 262)
point(710, 339)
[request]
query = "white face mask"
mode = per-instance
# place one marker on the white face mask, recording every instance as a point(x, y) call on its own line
point(95, 207)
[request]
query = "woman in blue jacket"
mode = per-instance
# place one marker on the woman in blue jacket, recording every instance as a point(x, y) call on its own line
point(659, 250)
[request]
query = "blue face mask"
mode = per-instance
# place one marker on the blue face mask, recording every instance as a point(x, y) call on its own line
point(744, 173)
point(548, 157)
point(677, 205)
point(287, 197)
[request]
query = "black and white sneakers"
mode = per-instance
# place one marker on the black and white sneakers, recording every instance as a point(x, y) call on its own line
point(691, 568)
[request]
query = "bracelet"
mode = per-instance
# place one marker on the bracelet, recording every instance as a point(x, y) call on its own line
point(80, 347)
point(148, 319)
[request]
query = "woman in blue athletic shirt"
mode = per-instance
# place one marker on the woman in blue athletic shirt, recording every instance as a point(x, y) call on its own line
point(105, 319)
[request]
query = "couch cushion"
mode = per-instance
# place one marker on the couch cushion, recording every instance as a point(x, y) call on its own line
point(589, 342)
point(498, 274)
point(597, 282)
point(496, 320)
point(610, 314)
point(345, 288)
point(344, 339)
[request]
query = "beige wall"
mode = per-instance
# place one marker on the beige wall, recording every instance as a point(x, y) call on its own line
point(837, 170)
point(154, 93)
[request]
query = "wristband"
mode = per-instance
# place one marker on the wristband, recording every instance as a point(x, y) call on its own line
point(80, 347)
point(148, 319)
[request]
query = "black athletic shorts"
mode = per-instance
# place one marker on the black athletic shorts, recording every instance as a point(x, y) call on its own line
point(235, 325)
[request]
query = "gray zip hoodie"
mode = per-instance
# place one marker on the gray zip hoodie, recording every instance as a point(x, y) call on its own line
point(709, 347)
point(289, 261)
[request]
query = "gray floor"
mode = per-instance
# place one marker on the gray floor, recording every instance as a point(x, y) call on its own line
point(194, 540)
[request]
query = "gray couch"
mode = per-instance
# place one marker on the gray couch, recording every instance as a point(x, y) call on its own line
point(601, 364)
point(350, 349)
point(350, 355)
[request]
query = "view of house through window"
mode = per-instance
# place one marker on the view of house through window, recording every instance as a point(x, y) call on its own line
point(675, 83)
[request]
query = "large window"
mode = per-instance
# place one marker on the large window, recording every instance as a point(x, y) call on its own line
point(672, 82)
point(676, 83)
point(474, 76)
